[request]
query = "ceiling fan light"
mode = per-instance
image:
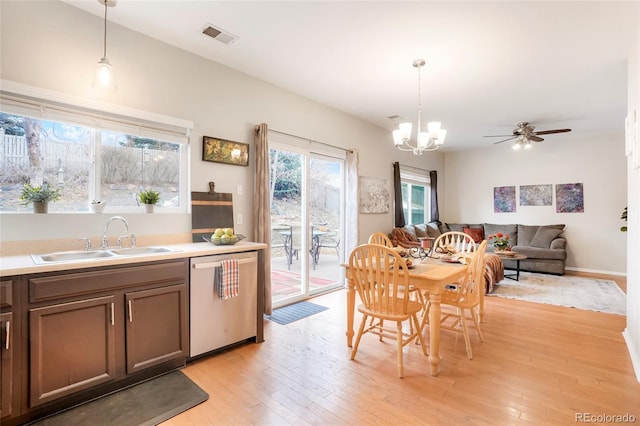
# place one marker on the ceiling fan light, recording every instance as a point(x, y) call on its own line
point(442, 134)
point(527, 145)
point(516, 146)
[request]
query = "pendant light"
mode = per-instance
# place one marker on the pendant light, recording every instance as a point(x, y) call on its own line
point(430, 140)
point(104, 77)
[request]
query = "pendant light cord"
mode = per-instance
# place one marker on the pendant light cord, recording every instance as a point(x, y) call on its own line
point(104, 55)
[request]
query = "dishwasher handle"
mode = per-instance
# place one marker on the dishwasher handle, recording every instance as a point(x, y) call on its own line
point(218, 264)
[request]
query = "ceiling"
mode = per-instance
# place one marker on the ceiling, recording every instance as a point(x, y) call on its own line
point(489, 64)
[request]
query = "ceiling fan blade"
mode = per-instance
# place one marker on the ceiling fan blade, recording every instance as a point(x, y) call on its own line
point(512, 137)
point(497, 136)
point(535, 138)
point(548, 132)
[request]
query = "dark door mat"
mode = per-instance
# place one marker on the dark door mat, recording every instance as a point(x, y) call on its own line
point(147, 403)
point(291, 313)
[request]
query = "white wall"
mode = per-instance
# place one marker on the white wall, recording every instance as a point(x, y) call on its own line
point(51, 45)
point(632, 332)
point(594, 242)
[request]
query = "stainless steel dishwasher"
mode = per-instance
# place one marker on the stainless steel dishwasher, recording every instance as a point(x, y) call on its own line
point(215, 323)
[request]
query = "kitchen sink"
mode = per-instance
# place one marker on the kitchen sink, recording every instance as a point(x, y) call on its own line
point(132, 251)
point(71, 256)
point(67, 256)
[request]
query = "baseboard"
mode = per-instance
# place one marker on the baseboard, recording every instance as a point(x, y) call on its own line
point(635, 357)
point(596, 271)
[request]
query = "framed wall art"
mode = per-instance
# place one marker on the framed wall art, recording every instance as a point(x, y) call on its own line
point(504, 199)
point(569, 198)
point(224, 151)
point(536, 195)
point(374, 195)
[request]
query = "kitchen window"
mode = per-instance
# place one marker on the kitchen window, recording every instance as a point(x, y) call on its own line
point(89, 155)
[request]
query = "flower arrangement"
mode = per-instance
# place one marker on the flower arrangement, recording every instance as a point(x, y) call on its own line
point(500, 241)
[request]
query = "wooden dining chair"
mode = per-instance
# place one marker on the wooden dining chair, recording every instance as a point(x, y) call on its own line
point(380, 238)
point(458, 242)
point(462, 298)
point(380, 274)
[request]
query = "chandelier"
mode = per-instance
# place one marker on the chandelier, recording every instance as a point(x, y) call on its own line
point(104, 78)
point(425, 141)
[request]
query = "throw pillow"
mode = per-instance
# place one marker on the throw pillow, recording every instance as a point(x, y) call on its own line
point(411, 230)
point(433, 230)
point(457, 227)
point(544, 236)
point(421, 230)
point(476, 233)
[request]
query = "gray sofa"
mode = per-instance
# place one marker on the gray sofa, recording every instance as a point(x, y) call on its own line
point(544, 246)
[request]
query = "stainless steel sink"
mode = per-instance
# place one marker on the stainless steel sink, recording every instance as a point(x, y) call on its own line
point(67, 256)
point(132, 251)
point(72, 256)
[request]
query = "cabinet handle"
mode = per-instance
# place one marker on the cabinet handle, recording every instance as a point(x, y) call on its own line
point(113, 314)
point(8, 328)
point(130, 310)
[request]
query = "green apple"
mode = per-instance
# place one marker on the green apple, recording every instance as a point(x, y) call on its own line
point(225, 239)
point(218, 232)
point(228, 231)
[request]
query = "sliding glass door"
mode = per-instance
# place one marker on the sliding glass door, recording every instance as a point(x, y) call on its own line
point(307, 215)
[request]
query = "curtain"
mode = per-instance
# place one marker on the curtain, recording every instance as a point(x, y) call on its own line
point(435, 213)
point(351, 201)
point(262, 208)
point(397, 196)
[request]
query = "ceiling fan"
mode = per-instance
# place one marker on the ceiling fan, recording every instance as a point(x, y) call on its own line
point(525, 133)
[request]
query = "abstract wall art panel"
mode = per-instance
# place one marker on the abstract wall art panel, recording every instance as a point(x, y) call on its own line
point(504, 199)
point(569, 198)
point(536, 195)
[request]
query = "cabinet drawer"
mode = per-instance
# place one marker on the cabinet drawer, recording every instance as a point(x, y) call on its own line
point(6, 294)
point(53, 287)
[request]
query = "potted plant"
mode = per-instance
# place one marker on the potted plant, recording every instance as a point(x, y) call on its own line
point(97, 206)
point(149, 198)
point(40, 196)
point(624, 217)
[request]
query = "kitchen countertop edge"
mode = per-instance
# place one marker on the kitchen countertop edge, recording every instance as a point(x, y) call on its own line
point(24, 264)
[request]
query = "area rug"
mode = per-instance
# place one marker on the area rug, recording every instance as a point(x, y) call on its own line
point(566, 290)
point(294, 312)
point(147, 403)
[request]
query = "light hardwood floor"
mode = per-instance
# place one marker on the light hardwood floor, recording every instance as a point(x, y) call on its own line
point(539, 365)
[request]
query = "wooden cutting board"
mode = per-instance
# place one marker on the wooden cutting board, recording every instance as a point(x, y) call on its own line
point(210, 210)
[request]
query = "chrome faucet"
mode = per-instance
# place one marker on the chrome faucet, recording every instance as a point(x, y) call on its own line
point(105, 241)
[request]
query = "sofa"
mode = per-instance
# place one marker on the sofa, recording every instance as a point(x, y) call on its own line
point(544, 245)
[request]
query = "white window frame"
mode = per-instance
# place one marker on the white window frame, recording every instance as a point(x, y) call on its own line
point(20, 99)
point(414, 177)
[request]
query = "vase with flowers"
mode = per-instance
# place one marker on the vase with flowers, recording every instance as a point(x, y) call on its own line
point(500, 242)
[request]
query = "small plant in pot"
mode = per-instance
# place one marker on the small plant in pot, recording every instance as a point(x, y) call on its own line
point(149, 198)
point(40, 196)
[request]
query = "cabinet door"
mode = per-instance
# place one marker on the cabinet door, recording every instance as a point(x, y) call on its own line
point(6, 364)
point(72, 347)
point(156, 326)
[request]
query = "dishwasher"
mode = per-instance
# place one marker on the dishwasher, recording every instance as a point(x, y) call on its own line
point(215, 323)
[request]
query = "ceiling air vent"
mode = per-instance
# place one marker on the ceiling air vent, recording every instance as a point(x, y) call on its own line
point(219, 34)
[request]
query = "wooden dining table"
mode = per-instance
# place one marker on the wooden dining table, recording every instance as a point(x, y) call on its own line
point(429, 274)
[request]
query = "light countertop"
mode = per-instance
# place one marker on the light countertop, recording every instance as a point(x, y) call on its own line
point(24, 264)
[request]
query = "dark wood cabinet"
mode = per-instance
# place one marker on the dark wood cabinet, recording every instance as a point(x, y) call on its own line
point(89, 332)
point(156, 326)
point(72, 347)
point(9, 348)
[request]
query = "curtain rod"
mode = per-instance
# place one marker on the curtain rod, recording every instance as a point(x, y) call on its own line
point(311, 140)
point(414, 168)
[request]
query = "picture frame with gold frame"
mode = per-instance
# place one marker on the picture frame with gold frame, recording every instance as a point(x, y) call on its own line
point(224, 151)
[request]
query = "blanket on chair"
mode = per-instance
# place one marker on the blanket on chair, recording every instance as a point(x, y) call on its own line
point(493, 271)
point(400, 237)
